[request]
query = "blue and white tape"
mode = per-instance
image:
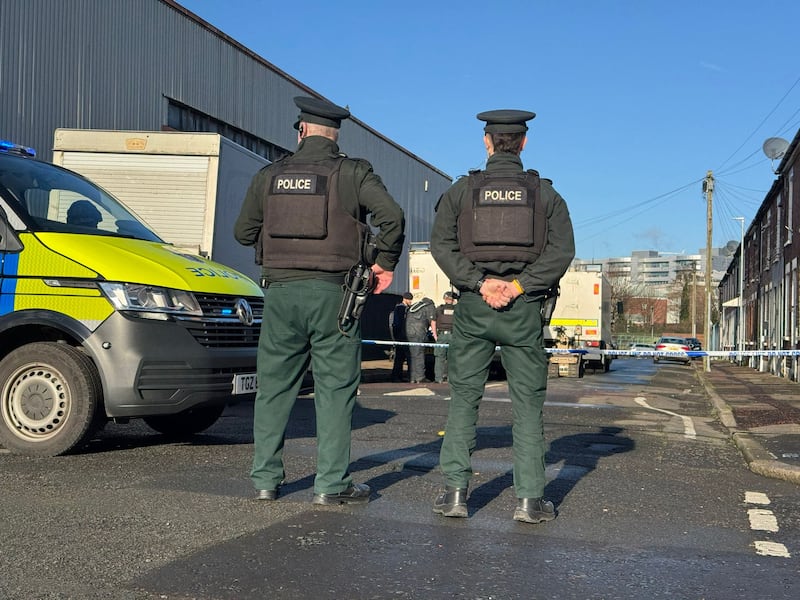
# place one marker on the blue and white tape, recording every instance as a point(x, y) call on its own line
point(621, 353)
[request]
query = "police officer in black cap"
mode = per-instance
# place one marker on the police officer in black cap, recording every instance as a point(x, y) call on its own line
point(504, 237)
point(308, 211)
point(442, 330)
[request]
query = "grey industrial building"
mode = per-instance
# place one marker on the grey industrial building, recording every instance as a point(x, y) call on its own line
point(152, 65)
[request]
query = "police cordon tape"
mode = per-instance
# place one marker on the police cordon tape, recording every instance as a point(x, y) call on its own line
point(659, 353)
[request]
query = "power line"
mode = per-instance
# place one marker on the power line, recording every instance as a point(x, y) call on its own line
point(644, 204)
point(760, 124)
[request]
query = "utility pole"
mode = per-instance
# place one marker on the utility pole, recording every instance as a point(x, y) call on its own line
point(694, 299)
point(708, 188)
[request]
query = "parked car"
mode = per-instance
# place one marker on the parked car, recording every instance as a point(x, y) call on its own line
point(639, 346)
point(694, 343)
point(673, 344)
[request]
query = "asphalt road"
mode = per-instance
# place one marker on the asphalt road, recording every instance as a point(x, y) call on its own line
point(653, 500)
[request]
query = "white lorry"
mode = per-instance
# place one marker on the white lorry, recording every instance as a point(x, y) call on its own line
point(425, 277)
point(188, 187)
point(581, 320)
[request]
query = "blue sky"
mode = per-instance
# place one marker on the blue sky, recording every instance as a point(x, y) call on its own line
point(636, 100)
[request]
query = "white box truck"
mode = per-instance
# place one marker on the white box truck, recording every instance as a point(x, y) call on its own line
point(188, 187)
point(582, 320)
point(425, 278)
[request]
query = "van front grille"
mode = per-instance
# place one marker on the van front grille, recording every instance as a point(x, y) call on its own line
point(220, 326)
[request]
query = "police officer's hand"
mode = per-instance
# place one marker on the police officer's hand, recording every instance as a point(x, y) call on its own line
point(512, 291)
point(495, 293)
point(383, 278)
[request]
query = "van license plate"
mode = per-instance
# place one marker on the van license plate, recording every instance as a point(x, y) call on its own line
point(245, 383)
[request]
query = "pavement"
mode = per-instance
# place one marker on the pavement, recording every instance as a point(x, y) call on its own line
point(762, 414)
point(760, 410)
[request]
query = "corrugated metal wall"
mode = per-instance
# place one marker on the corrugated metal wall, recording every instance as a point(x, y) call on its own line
point(113, 65)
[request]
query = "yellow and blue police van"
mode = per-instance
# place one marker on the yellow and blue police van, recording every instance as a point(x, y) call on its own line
point(102, 320)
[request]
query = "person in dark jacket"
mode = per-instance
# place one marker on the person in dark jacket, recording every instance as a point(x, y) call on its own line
point(307, 213)
point(442, 330)
point(397, 326)
point(504, 237)
point(418, 322)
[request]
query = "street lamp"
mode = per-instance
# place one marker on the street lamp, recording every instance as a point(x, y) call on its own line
point(741, 328)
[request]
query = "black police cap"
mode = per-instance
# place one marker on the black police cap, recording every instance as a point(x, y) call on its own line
point(506, 120)
point(321, 112)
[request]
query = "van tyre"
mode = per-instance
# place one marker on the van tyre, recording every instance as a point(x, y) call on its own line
point(50, 399)
point(188, 422)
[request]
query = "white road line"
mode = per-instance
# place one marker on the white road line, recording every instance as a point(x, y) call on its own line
point(421, 391)
point(772, 549)
point(762, 519)
point(756, 498)
point(688, 424)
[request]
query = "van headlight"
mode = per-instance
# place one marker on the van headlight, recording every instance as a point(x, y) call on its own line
point(151, 302)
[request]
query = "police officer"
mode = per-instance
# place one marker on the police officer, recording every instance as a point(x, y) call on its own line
point(307, 212)
point(442, 329)
point(418, 322)
point(504, 237)
point(397, 327)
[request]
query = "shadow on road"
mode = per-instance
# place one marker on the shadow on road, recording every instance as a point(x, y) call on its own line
point(572, 456)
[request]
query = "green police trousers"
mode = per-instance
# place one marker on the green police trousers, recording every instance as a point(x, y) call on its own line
point(440, 355)
point(300, 329)
point(518, 330)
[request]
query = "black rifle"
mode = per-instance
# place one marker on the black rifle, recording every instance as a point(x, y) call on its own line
point(358, 284)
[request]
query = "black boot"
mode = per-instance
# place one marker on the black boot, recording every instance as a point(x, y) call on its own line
point(534, 510)
point(357, 493)
point(452, 502)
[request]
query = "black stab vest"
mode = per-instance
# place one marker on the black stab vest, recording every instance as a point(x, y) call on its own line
point(305, 226)
point(503, 218)
point(446, 316)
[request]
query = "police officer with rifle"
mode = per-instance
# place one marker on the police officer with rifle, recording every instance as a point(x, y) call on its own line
point(308, 215)
point(504, 237)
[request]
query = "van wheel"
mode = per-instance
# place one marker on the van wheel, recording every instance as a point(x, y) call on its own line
point(51, 393)
point(188, 422)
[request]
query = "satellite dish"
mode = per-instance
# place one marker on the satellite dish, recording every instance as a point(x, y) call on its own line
point(775, 147)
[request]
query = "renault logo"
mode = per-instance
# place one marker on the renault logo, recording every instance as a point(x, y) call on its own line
point(244, 311)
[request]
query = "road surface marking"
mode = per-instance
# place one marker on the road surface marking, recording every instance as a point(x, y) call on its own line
point(688, 424)
point(756, 498)
point(422, 391)
point(762, 519)
point(772, 549)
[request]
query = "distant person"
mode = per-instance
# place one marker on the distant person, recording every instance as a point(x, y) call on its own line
point(84, 214)
point(442, 330)
point(504, 237)
point(418, 322)
point(397, 327)
point(308, 213)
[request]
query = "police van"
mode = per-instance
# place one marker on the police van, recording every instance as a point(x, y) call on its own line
point(101, 320)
